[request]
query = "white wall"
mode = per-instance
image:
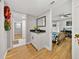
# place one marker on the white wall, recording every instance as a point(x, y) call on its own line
point(3, 37)
point(55, 29)
point(59, 9)
point(47, 39)
point(61, 25)
point(75, 16)
point(31, 21)
point(24, 29)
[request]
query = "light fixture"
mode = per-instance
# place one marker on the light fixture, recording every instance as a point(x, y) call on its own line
point(62, 17)
point(52, 2)
point(65, 15)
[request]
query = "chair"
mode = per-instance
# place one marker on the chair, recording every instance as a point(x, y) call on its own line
point(61, 37)
point(54, 35)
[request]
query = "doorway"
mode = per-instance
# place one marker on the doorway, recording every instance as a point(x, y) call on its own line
point(19, 33)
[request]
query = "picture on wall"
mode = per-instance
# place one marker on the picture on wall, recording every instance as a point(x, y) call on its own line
point(68, 23)
point(7, 17)
point(54, 25)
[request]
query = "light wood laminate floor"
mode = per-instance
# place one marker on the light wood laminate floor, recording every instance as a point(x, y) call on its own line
point(18, 36)
point(62, 51)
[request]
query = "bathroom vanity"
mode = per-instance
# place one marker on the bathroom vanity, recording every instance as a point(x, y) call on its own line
point(37, 38)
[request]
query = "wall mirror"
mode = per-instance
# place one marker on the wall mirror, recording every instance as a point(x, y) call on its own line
point(41, 22)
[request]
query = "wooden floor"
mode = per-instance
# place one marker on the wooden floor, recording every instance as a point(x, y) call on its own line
point(18, 36)
point(62, 51)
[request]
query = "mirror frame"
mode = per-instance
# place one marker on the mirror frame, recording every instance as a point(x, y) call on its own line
point(41, 22)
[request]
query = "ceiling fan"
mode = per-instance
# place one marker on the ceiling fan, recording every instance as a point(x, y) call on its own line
point(65, 15)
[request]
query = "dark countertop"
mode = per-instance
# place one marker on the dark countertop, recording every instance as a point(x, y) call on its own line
point(38, 31)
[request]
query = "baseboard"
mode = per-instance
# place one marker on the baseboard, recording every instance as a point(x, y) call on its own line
point(5, 54)
point(28, 43)
point(21, 44)
point(9, 48)
point(50, 49)
point(12, 48)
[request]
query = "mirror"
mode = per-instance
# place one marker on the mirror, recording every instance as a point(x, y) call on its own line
point(41, 22)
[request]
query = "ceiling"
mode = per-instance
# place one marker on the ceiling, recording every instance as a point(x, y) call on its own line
point(61, 10)
point(33, 7)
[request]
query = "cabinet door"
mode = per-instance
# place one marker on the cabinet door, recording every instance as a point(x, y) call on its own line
point(38, 40)
point(35, 41)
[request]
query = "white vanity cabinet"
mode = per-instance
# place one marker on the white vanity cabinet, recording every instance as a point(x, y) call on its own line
point(37, 40)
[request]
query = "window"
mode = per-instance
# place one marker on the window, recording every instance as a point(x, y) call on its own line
point(68, 23)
